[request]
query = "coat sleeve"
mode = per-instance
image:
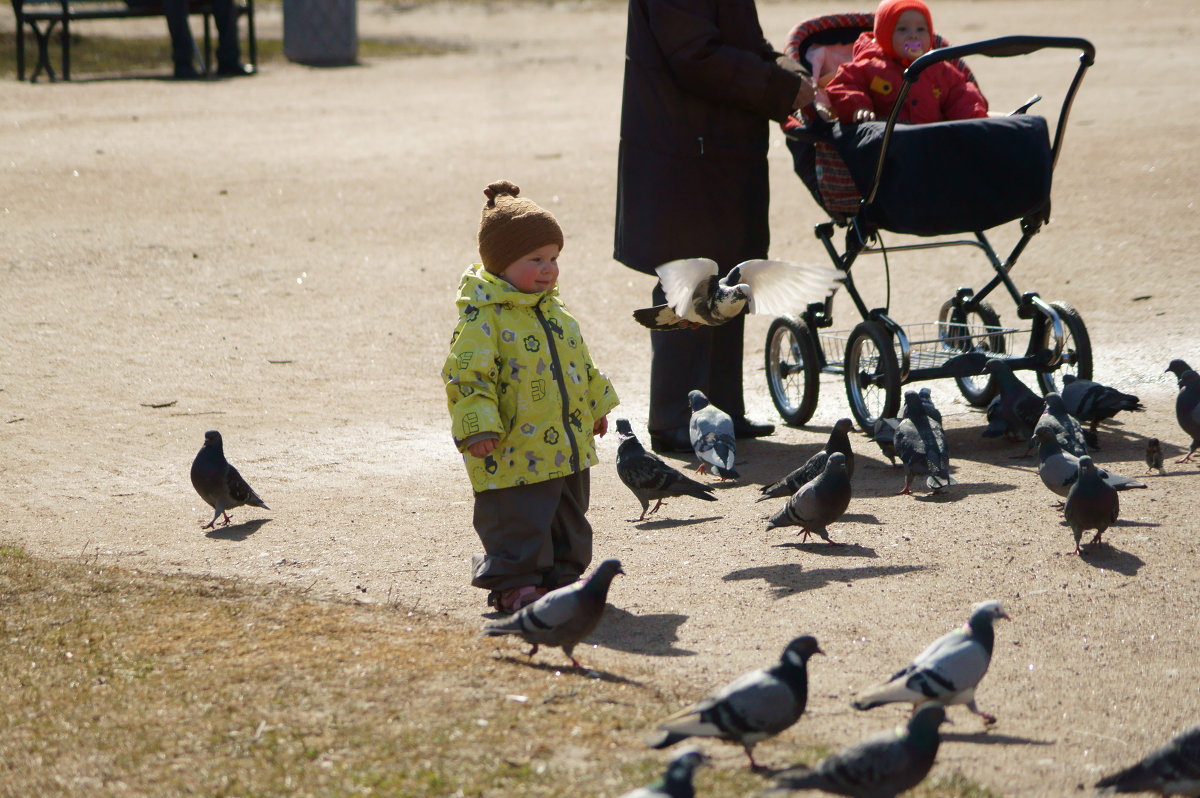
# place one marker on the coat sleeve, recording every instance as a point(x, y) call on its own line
point(602, 396)
point(963, 99)
point(471, 376)
point(847, 92)
point(704, 64)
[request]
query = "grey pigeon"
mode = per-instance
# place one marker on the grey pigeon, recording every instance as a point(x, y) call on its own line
point(562, 617)
point(697, 296)
point(882, 766)
point(751, 708)
point(1091, 504)
point(677, 780)
point(839, 441)
point(1154, 455)
point(218, 482)
point(712, 436)
point(1015, 409)
point(1065, 428)
point(649, 477)
point(1172, 769)
point(948, 671)
point(884, 434)
point(1059, 470)
point(1178, 367)
point(1091, 402)
point(927, 402)
point(818, 503)
point(1187, 410)
point(921, 446)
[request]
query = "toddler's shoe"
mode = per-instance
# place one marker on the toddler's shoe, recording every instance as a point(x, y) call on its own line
point(512, 599)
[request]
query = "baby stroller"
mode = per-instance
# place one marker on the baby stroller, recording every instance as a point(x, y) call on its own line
point(985, 173)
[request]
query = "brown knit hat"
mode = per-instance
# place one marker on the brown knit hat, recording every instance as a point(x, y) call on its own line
point(512, 227)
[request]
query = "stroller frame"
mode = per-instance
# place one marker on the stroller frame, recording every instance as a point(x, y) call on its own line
point(879, 355)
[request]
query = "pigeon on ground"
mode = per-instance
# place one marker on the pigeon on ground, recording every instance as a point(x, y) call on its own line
point(1187, 410)
point(921, 446)
point(818, 503)
point(881, 766)
point(1015, 409)
point(948, 671)
point(677, 779)
point(697, 296)
point(1178, 367)
point(1092, 402)
point(1172, 769)
point(884, 434)
point(1059, 469)
point(1154, 455)
point(218, 482)
point(713, 440)
point(1065, 428)
point(1091, 504)
point(838, 441)
point(649, 477)
point(748, 710)
point(927, 402)
point(562, 617)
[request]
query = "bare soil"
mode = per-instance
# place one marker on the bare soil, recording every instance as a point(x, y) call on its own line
point(276, 258)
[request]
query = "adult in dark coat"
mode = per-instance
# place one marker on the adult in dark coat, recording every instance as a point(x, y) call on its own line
point(701, 87)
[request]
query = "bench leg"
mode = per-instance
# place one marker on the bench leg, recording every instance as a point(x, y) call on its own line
point(43, 43)
point(66, 49)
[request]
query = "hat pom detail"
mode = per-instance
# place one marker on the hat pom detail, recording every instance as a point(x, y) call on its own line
point(500, 188)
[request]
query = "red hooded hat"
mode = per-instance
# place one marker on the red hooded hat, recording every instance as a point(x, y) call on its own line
point(886, 17)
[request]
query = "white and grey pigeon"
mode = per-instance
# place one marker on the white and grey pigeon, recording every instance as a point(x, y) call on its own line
point(1091, 504)
point(881, 766)
point(1015, 410)
point(948, 671)
point(755, 706)
point(818, 503)
point(839, 441)
point(920, 444)
point(649, 477)
point(218, 482)
point(1059, 469)
point(712, 436)
point(1171, 769)
point(884, 434)
point(697, 295)
point(1092, 402)
point(677, 779)
point(563, 617)
point(1065, 428)
point(1187, 410)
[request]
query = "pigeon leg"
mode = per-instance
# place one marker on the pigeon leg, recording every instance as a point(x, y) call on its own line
point(532, 651)
point(988, 720)
point(908, 478)
point(804, 531)
point(1096, 541)
point(216, 515)
point(656, 506)
point(750, 755)
point(702, 468)
point(226, 519)
point(833, 542)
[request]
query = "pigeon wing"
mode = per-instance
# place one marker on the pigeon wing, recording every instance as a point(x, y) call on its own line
point(681, 278)
point(778, 287)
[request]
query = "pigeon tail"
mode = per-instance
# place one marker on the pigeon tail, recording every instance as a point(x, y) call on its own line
point(665, 738)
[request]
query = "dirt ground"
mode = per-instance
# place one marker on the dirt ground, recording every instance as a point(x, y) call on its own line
point(277, 258)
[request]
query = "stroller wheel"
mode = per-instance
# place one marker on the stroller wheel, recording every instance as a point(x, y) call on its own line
point(1076, 351)
point(793, 372)
point(872, 375)
point(969, 332)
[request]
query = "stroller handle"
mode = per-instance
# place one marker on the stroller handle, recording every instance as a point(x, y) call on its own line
point(1002, 47)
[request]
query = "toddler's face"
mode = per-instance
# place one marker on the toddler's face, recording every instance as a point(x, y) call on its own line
point(911, 38)
point(534, 272)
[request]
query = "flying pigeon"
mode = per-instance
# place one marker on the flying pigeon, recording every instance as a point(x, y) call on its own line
point(1059, 469)
point(649, 477)
point(884, 434)
point(1064, 428)
point(1178, 367)
point(921, 446)
point(697, 296)
point(948, 671)
point(218, 482)
point(1172, 769)
point(1091, 504)
point(838, 441)
point(711, 432)
point(1154, 455)
point(1187, 410)
point(562, 617)
point(751, 708)
point(1015, 409)
point(677, 779)
point(883, 765)
point(1092, 402)
point(818, 503)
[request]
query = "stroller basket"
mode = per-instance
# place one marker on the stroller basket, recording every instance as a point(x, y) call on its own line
point(928, 345)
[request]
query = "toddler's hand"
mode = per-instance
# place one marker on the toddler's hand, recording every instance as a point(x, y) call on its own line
point(864, 115)
point(482, 448)
point(600, 427)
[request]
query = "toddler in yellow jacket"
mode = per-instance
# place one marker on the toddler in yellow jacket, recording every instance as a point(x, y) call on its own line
point(526, 403)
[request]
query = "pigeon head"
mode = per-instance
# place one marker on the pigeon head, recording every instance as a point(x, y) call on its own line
point(1086, 465)
point(624, 430)
point(684, 764)
point(697, 400)
point(926, 393)
point(799, 650)
point(927, 719)
point(843, 425)
point(1068, 379)
point(1045, 435)
point(1189, 378)
point(912, 400)
point(212, 438)
point(836, 462)
point(606, 570)
point(1054, 403)
point(1178, 367)
point(988, 611)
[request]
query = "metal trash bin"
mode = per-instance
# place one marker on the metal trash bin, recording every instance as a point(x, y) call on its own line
point(320, 32)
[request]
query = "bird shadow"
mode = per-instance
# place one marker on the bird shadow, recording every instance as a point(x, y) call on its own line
point(785, 580)
point(1105, 557)
point(671, 523)
point(986, 737)
point(237, 531)
point(861, 518)
point(843, 549)
point(586, 671)
point(654, 635)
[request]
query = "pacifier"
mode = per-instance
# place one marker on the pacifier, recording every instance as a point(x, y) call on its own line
point(913, 48)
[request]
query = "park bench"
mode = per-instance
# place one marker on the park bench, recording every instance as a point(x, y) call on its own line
point(42, 16)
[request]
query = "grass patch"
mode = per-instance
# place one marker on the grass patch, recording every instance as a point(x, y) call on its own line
point(129, 682)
